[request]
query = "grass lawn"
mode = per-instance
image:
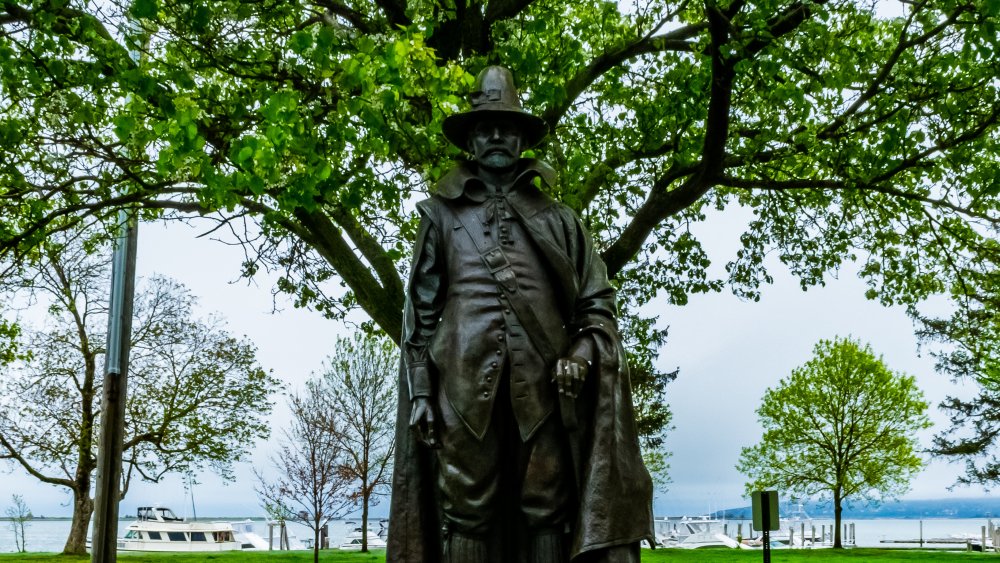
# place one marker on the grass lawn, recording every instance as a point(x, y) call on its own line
point(660, 555)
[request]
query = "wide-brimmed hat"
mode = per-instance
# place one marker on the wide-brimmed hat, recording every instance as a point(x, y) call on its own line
point(494, 95)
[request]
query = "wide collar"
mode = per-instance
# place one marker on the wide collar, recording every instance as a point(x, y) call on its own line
point(463, 180)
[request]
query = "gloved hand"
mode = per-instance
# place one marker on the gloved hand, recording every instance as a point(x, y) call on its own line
point(570, 373)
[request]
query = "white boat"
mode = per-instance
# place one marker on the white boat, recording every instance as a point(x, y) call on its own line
point(159, 529)
point(796, 530)
point(691, 532)
point(252, 539)
point(352, 541)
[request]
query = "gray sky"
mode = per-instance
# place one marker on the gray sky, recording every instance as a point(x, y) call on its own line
point(728, 351)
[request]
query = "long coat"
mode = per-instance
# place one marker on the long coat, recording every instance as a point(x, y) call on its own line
point(614, 488)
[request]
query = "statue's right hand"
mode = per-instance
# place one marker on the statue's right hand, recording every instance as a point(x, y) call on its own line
point(422, 422)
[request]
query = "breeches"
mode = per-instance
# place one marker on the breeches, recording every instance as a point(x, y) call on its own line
point(480, 480)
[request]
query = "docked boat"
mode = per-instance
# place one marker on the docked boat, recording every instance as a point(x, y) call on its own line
point(352, 541)
point(267, 539)
point(691, 533)
point(159, 529)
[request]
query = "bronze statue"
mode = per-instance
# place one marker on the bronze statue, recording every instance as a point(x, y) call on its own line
point(516, 437)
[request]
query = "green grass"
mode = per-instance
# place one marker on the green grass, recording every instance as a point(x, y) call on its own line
point(660, 555)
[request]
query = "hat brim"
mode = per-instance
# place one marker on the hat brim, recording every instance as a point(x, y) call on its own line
point(456, 127)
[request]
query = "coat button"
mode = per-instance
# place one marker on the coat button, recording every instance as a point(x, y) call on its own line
point(507, 310)
point(486, 394)
point(489, 379)
point(500, 337)
point(493, 365)
point(499, 352)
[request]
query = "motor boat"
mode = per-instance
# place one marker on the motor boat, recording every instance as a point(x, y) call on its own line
point(267, 539)
point(159, 529)
point(352, 541)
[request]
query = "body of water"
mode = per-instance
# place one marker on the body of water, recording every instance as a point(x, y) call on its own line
point(50, 535)
point(871, 533)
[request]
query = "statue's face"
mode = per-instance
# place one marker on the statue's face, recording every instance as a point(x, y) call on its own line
point(496, 144)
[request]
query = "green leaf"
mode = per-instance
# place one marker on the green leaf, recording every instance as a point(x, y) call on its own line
point(147, 9)
point(301, 41)
point(245, 153)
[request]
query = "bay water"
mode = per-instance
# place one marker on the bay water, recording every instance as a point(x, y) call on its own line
point(51, 534)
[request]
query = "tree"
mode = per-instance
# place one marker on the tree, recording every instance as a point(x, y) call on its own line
point(851, 137)
point(309, 466)
point(18, 514)
point(966, 348)
point(360, 383)
point(652, 414)
point(842, 426)
point(196, 396)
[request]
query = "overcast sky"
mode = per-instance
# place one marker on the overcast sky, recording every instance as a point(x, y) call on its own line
point(728, 351)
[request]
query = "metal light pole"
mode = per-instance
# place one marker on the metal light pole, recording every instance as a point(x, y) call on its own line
point(109, 457)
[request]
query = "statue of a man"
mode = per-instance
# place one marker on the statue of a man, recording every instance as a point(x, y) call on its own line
point(516, 438)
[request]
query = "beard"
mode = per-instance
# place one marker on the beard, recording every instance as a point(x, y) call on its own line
point(498, 160)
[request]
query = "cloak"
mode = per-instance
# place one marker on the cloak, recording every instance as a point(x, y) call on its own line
point(613, 486)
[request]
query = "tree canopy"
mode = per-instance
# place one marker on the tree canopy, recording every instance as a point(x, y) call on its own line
point(307, 128)
point(842, 427)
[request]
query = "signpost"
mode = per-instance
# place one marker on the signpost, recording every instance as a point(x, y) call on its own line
point(765, 517)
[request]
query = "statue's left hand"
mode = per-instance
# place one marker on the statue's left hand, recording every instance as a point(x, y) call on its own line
point(570, 373)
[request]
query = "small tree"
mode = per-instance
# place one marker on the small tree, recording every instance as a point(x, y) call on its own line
point(18, 514)
point(361, 379)
point(196, 395)
point(842, 425)
point(309, 467)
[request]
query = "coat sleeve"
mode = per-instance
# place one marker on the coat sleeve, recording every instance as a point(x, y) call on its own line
point(426, 301)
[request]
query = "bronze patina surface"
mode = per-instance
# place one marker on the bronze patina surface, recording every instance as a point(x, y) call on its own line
point(516, 438)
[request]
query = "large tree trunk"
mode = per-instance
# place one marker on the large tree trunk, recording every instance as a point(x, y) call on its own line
point(83, 508)
point(838, 508)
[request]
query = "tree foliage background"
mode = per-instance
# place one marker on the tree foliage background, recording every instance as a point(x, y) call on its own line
point(307, 128)
point(842, 427)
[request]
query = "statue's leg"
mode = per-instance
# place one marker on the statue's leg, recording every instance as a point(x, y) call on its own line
point(461, 548)
point(547, 497)
point(468, 485)
point(548, 546)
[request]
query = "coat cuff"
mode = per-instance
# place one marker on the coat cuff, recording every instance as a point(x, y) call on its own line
point(419, 380)
point(582, 349)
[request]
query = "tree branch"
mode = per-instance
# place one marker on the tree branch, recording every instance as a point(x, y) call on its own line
point(354, 17)
point(322, 234)
point(497, 10)
point(660, 203)
point(890, 63)
point(676, 40)
point(395, 10)
point(16, 456)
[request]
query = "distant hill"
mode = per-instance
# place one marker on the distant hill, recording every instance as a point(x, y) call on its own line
point(936, 508)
